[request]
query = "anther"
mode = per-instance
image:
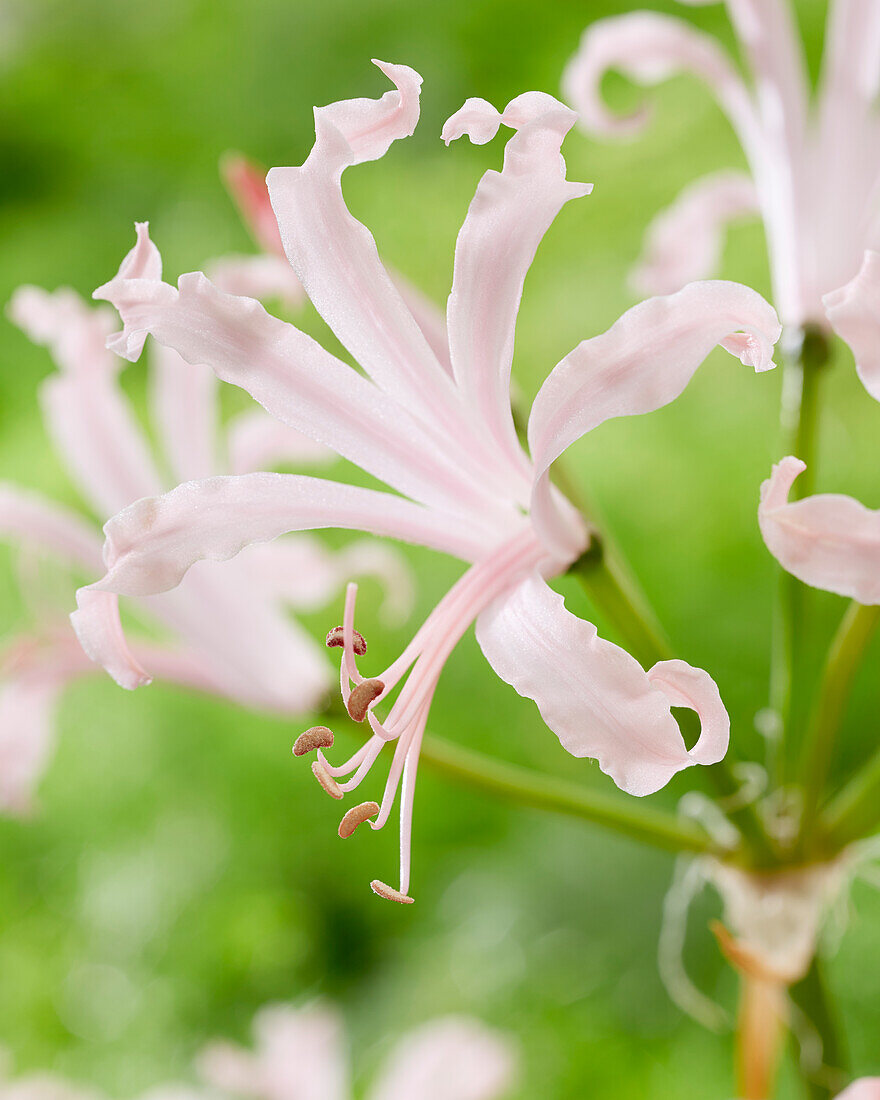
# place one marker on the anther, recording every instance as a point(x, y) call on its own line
point(336, 637)
point(326, 780)
point(357, 815)
point(390, 895)
point(318, 737)
point(362, 696)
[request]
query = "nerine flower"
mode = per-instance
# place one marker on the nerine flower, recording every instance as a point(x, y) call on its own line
point(437, 429)
point(232, 634)
point(814, 168)
point(300, 1055)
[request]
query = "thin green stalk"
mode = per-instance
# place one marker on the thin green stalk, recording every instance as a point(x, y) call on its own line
point(844, 656)
point(812, 998)
point(799, 415)
point(855, 811)
point(630, 817)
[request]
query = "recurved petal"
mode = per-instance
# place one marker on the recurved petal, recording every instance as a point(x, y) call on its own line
point(261, 277)
point(866, 1088)
point(594, 696)
point(139, 275)
point(257, 441)
point(47, 527)
point(648, 48)
point(854, 312)
point(644, 361)
point(97, 626)
point(448, 1059)
point(684, 242)
point(246, 183)
point(506, 221)
point(183, 402)
point(60, 320)
point(152, 543)
point(829, 541)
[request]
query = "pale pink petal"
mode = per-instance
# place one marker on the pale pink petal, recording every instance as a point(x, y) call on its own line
point(644, 361)
point(475, 117)
point(595, 697)
point(257, 441)
point(183, 403)
point(139, 273)
point(152, 543)
point(854, 312)
point(335, 255)
point(684, 242)
point(448, 1059)
point(299, 1056)
point(828, 541)
point(866, 1088)
point(90, 421)
point(97, 626)
point(648, 48)
point(430, 319)
point(303, 385)
point(49, 528)
point(32, 675)
point(507, 219)
point(246, 183)
point(260, 277)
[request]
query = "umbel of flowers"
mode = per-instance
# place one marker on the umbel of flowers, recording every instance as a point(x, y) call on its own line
point(435, 425)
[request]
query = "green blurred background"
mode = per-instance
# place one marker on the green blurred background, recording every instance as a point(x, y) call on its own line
point(183, 870)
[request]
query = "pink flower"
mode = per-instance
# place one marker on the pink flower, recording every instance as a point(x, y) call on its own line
point(230, 634)
point(438, 430)
point(814, 169)
point(300, 1056)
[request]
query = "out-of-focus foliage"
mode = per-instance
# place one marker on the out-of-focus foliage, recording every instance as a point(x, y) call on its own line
point(184, 869)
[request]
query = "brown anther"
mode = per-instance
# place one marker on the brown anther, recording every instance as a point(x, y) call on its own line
point(357, 815)
point(326, 780)
point(390, 895)
point(362, 696)
point(318, 737)
point(337, 637)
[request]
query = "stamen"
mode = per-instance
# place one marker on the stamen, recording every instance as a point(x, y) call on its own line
point(357, 815)
point(318, 737)
point(362, 696)
point(326, 780)
point(389, 894)
point(336, 637)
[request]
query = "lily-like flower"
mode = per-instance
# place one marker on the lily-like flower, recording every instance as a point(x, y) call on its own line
point(437, 429)
point(814, 167)
point(300, 1054)
point(230, 635)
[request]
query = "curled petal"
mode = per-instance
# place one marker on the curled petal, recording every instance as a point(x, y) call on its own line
point(595, 697)
point(475, 117)
point(96, 623)
point(75, 335)
point(683, 243)
point(644, 361)
point(649, 48)
point(152, 543)
point(139, 273)
point(507, 219)
point(828, 541)
point(448, 1059)
point(854, 312)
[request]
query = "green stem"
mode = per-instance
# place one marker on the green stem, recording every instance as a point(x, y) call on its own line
point(812, 998)
point(844, 656)
point(627, 816)
point(855, 811)
point(799, 415)
point(612, 594)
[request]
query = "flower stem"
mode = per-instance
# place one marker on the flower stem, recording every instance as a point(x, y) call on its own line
point(847, 647)
point(855, 811)
point(627, 816)
point(799, 416)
